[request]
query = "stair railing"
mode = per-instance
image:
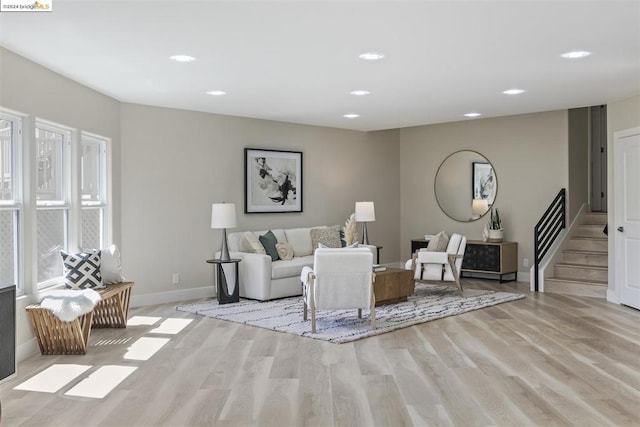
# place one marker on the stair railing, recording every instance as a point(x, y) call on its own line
point(546, 231)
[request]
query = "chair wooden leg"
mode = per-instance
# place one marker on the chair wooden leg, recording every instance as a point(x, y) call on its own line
point(454, 271)
point(373, 311)
point(304, 310)
point(312, 304)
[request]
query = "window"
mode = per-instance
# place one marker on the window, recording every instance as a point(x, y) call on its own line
point(53, 196)
point(93, 152)
point(10, 200)
point(53, 201)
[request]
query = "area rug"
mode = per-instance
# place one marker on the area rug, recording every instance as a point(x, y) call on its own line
point(429, 302)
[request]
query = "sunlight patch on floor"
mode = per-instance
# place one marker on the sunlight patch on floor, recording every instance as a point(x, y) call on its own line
point(53, 378)
point(101, 382)
point(144, 348)
point(119, 341)
point(142, 320)
point(171, 326)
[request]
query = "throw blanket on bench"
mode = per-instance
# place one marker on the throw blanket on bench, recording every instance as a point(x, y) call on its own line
point(69, 304)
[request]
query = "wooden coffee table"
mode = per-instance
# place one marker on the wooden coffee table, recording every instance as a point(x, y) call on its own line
point(393, 285)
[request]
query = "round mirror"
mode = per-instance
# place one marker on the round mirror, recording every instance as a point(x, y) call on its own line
point(466, 186)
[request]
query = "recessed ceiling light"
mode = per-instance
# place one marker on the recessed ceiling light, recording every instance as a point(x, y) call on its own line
point(359, 92)
point(351, 115)
point(513, 91)
point(472, 114)
point(576, 54)
point(182, 58)
point(371, 56)
point(216, 92)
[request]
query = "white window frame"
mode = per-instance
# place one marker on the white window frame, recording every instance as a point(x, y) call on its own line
point(16, 204)
point(66, 203)
point(105, 186)
point(24, 193)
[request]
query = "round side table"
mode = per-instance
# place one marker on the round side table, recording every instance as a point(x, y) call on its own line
point(227, 273)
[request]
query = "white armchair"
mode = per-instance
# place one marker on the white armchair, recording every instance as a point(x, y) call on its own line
point(441, 266)
point(340, 279)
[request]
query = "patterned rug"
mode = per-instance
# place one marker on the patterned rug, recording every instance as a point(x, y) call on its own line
point(429, 302)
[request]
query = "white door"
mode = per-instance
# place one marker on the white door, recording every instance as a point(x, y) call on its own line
point(626, 230)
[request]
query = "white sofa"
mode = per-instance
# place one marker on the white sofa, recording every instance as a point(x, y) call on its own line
point(264, 279)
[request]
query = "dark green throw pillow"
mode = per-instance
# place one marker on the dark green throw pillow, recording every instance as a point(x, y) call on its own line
point(269, 241)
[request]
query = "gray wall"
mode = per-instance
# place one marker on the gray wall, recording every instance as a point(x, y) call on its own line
point(176, 163)
point(170, 165)
point(578, 161)
point(528, 153)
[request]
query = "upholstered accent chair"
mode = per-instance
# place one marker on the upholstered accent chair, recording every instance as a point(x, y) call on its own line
point(341, 279)
point(441, 266)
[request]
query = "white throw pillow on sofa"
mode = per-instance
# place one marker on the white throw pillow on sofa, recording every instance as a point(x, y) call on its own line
point(249, 243)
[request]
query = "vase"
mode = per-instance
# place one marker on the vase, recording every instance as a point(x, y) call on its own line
point(496, 236)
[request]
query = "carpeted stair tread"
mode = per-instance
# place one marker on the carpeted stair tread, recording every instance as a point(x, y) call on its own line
point(578, 282)
point(589, 238)
point(581, 251)
point(577, 265)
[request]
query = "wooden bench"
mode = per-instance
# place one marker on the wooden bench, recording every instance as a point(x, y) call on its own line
point(57, 337)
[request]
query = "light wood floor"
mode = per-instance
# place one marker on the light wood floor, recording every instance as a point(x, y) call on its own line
point(545, 360)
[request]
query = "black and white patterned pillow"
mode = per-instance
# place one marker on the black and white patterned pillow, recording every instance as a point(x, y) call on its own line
point(82, 270)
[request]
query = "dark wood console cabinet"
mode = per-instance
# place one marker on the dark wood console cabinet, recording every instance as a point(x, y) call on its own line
point(418, 244)
point(498, 259)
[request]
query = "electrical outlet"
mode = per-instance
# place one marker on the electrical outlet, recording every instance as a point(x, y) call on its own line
point(525, 262)
point(176, 278)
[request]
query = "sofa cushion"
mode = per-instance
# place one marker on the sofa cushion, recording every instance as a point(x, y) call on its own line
point(249, 243)
point(285, 251)
point(300, 240)
point(328, 236)
point(281, 269)
point(269, 242)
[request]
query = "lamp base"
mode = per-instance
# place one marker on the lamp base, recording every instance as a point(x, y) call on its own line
point(224, 250)
point(365, 236)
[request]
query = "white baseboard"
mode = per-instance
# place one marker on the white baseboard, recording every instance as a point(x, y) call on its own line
point(27, 349)
point(524, 276)
point(612, 296)
point(172, 296)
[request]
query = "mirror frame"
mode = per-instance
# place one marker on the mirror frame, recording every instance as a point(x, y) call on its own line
point(435, 180)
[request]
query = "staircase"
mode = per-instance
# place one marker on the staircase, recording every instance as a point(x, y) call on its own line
point(583, 269)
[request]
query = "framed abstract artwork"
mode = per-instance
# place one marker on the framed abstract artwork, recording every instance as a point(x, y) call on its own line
point(272, 181)
point(484, 182)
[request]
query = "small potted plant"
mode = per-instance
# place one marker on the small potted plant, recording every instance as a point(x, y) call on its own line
point(496, 234)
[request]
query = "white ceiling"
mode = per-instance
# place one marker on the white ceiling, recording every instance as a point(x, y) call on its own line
point(297, 61)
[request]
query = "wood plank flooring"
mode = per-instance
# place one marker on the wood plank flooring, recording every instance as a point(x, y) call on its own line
point(546, 360)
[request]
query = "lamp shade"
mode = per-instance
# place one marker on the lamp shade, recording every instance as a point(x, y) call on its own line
point(223, 215)
point(365, 212)
point(479, 207)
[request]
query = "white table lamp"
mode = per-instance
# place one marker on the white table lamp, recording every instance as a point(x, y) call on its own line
point(223, 215)
point(365, 212)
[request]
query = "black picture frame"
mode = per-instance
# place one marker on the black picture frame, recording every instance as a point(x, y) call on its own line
point(272, 181)
point(483, 182)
